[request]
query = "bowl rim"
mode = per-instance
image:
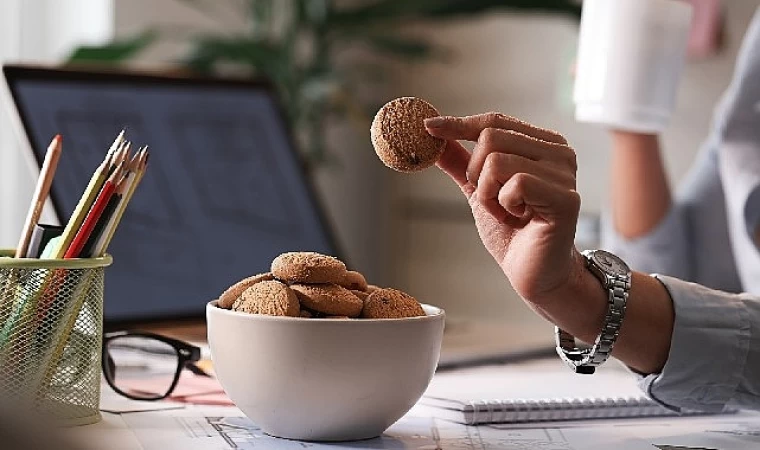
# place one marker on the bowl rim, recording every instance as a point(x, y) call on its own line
point(437, 314)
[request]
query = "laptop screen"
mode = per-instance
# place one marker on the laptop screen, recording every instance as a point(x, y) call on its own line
point(223, 195)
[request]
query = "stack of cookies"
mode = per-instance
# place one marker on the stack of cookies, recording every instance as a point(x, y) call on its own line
point(312, 285)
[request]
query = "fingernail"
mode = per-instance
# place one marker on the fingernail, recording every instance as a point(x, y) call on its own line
point(435, 122)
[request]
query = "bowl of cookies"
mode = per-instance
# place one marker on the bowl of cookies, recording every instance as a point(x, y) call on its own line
point(311, 351)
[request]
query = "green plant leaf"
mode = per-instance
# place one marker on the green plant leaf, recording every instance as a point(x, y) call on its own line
point(115, 51)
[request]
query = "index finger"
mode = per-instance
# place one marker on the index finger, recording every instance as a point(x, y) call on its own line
point(468, 128)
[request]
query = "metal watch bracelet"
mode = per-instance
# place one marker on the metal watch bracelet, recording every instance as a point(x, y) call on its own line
point(586, 360)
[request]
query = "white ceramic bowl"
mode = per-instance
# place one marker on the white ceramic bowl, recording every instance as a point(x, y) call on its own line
point(324, 379)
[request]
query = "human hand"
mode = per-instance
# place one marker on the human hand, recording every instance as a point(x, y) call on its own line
point(520, 184)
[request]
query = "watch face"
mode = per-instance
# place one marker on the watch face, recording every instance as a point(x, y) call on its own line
point(610, 263)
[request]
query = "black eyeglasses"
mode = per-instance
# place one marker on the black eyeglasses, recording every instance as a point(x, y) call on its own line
point(146, 366)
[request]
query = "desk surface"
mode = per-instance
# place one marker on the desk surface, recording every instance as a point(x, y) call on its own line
point(226, 428)
point(194, 331)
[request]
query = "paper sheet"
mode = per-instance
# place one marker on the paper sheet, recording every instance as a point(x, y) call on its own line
point(226, 428)
point(111, 402)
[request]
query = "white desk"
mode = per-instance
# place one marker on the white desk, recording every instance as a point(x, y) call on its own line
point(197, 427)
point(221, 428)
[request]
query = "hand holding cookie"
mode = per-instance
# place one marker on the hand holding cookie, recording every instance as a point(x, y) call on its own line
point(520, 184)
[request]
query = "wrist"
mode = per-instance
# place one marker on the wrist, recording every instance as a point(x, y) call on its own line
point(580, 305)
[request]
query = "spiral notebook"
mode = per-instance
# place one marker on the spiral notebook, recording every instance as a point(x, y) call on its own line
point(537, 392)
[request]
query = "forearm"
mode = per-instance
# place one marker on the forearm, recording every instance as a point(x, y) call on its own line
point(645, 336)
point(640, 192)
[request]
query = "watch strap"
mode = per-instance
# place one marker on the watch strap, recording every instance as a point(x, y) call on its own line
point(586, 360)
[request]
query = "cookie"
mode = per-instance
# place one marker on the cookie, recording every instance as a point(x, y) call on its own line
point(272, 298)
point(372, 288)
point(391, 304)
point(361, 294)
point(329, 299)
point(399, 136)
point(232, 293)
point(308, 267)
point(354, 281)
point(306, 314)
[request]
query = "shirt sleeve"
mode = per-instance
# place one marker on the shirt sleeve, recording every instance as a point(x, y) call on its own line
point(662, 250)
point(714, 358)
point(692, 241)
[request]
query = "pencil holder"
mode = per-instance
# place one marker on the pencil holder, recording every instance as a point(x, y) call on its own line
point(51, 336)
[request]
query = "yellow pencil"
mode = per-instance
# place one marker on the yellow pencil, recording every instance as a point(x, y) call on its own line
point(89, 196)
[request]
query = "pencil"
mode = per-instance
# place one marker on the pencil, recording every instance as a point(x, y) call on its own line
point(88, 225)
point(142, 164)
point(92, 247)
point(123, 190)
point(41, 193)
point(89, 196)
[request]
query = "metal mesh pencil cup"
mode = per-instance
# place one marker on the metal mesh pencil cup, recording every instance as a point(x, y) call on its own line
point(51, 336)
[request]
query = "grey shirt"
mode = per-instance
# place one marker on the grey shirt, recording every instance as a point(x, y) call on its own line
point(707, 238)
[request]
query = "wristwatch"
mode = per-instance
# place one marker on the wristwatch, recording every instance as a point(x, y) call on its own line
point(615, 277)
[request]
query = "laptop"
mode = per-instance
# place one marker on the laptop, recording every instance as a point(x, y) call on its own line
point(224, 194)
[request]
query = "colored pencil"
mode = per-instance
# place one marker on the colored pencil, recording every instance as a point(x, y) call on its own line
point(93, 247)
point(87, 199)
point(75, 249)
point(134, 181)
point(123, 189)
point(41, 193)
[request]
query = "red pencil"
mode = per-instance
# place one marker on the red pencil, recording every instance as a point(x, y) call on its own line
point(93, 216)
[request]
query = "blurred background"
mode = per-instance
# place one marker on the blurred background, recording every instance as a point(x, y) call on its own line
point(335, 63)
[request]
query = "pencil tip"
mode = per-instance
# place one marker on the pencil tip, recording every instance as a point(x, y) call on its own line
point(58, 138)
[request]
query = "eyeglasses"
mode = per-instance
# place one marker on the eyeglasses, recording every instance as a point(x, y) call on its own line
point(146, 366)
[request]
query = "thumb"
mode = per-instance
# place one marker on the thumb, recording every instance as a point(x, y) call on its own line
point(453, 162)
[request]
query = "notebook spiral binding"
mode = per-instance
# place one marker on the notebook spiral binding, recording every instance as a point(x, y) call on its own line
point(520, 411)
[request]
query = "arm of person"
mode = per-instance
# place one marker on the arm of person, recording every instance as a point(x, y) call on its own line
point(640, 193)
point(644, 225)
point(520, 184)
point(686, 235)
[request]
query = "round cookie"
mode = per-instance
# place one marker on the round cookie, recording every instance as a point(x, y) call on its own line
point(391, 304)
point(272, 298)
point(308, 267)
point(361, 294)
point(228, 297)
point(354, 281)
point(372, 288)
point(328, 299)
point(399, 136)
